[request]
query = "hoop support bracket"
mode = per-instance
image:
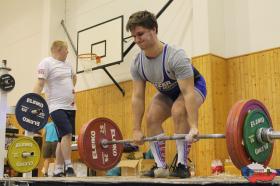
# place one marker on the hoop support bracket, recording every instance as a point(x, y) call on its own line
point(115, 82)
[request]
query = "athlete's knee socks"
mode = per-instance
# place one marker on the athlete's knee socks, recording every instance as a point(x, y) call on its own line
point(68, 164)
point(158, 150)
point(183, 149)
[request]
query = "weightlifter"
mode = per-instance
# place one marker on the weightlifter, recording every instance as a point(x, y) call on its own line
point(55, 74)
point(181, 90)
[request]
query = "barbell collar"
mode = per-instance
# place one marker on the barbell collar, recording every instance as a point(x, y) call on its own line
point(261, 136)
point(104, 143)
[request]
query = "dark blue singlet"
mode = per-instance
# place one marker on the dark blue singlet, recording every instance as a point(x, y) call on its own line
point(170, 87)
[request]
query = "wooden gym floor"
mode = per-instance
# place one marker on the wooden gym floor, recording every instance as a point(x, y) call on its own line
point(131, 180)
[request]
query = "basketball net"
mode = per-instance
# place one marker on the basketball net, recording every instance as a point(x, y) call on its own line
point(88, 61)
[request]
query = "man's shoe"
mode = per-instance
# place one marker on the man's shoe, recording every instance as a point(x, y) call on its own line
point(157, 172)
point(46, 175)
point(181, 171)
point(150, 173)
point(70, 172)
point(161, 172)
point(61, 174)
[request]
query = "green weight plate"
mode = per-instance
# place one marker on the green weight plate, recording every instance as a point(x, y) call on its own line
point(234, 131)
point(255, 120)
point(23, 154)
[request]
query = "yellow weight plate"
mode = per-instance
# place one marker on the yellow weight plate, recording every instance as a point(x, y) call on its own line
point(23, 154)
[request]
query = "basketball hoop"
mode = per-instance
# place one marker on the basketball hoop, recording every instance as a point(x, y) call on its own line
point(88, 59)
point(90, 56)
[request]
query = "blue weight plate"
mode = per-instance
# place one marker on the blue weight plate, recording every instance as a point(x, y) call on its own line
point(32, 112)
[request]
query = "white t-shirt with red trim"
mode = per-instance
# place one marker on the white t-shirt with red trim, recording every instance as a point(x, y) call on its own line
point(59, 88)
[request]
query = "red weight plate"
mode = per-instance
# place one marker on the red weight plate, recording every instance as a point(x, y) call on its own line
point(230, 134)
point(80, 143)
point(92, 152)
point(239, 120)
point(238, 148)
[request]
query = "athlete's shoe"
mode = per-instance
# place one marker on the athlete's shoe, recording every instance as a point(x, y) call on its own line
point(70, 172)
point(60, 174)
point(181, 171)
point(157, 172)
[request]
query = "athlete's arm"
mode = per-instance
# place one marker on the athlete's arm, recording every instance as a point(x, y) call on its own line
point(74, 79)
point(39, 85)
point(138, 108)
point(187, 89)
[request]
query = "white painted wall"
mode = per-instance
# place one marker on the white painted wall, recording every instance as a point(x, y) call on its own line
point(251, 25)
point(21, 36)
point(216, 26)
point(235, 27)
point(26, 30)
point(200, 27)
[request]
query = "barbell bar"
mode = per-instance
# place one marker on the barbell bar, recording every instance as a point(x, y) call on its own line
point(267, 135)
point(105, 143)
point(264, 135)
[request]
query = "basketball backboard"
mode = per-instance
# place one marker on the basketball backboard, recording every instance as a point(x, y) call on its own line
point(103, 40)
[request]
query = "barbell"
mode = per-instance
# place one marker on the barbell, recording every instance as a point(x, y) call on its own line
point(249, 137)
point(249, 134)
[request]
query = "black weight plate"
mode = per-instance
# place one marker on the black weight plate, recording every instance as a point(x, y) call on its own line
point(25, 108)
point(7, 82)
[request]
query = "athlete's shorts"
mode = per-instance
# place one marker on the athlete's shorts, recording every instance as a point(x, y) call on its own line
point(49, 149)
point(64, 121)
point(200, 87)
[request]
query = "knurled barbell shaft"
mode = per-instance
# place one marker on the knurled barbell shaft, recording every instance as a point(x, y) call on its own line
point(164, 138)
